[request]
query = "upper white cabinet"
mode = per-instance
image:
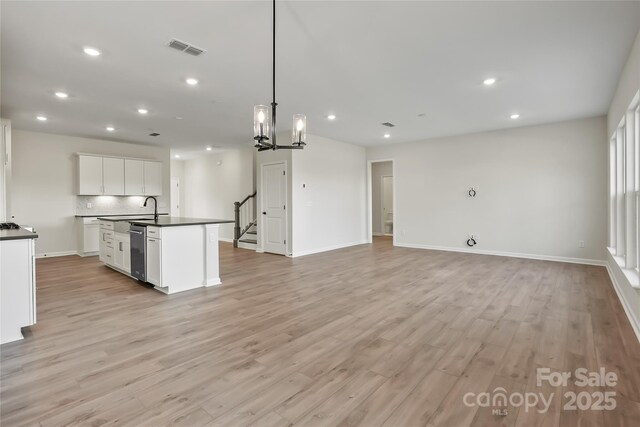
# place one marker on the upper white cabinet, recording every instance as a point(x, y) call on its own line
point(113, 176)
point(152, 178)
point(90, 175)
point(133, 177)
point(118, 176)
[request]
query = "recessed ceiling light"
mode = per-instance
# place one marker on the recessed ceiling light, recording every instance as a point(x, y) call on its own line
point(177, 156)
point(331, 117)
point(514, 116)
point(387, 135)
point(91, 51)
point(191, 81)
point(143, 110)
point(110, 128)
point(41, 118)
point(209, 148)
point(178, 118)
point(62, 95)
point(489, 81)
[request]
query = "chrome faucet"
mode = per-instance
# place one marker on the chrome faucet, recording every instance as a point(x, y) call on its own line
point(155, 207)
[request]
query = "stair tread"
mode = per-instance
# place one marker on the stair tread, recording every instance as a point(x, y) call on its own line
point(251, 232)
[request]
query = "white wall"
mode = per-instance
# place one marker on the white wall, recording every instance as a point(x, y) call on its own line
point(378, 170)
point(628, 86)
point(44, 177)
point(331, 211)
point(209, 189)
point(542, 189)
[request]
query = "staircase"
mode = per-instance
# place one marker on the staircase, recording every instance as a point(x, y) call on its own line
point(245, 231)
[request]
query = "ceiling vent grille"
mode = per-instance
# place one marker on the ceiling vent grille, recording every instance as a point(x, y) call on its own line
point(185, 47)
point(389, 125)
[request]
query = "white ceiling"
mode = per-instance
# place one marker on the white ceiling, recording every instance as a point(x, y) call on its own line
point(366, 61)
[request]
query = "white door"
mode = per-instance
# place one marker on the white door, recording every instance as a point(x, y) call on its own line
point(387, 204)
point(133, 177)
point(152, 178)
point(154, 261)
point(274, 200)
point(113, 176)
point(175, 196)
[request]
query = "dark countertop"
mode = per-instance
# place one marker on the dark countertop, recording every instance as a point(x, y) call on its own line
point(22, 233)
point(137, 215)
point(128, 218)
point(174, 221)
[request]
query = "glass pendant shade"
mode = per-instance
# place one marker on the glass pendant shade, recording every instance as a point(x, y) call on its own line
point(299, 129)
point(261, 122)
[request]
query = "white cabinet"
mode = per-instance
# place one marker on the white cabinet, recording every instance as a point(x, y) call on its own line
point(133, 177)
point(107, 254)
point(89, 236)
point(90, 175)
point(113, 176)
point(154, 261)
point(152, 178)
point(17, 288)
point(122, 252)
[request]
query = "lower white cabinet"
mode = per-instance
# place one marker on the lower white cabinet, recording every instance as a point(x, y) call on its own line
point(17, 288)
point(107, 236)
point(88, 236)
point(154, 260)
point(122, 252)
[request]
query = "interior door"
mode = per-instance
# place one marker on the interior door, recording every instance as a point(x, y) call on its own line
point(274, 200)
point(387, 204)
point(175, 196)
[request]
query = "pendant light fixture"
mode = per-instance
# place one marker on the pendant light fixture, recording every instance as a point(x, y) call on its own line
point(264, 120)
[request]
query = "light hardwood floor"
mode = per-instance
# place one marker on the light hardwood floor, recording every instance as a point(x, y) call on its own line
point(370, 335)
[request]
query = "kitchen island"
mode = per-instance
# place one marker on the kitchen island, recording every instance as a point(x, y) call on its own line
point(174, 254)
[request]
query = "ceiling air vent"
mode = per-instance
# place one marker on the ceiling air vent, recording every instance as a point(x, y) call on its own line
point(154, 134)
point(185, 47)
point(387, 124)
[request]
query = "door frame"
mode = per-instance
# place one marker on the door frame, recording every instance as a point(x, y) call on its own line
point(175, 179)
point(370, 199)
point(382, 201)
point(261, 228)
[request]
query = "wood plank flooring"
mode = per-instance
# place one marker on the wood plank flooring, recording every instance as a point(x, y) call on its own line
point(365, 336)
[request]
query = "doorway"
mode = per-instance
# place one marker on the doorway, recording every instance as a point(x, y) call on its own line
point(381, 196)
point(274, 201)
point(175, 196)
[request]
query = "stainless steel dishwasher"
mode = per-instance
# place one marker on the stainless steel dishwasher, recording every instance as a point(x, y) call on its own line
point(138, 234)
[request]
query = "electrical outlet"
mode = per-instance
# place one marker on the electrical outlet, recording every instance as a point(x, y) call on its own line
point(581, 244)
point(89, 205)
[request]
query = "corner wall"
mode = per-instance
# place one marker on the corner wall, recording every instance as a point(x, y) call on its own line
point(542, 190)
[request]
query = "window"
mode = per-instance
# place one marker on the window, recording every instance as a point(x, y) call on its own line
point(624, 188)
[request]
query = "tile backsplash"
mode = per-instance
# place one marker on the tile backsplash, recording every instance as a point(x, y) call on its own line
point(105, 205)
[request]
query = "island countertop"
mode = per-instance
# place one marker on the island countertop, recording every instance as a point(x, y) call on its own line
point(175, 221)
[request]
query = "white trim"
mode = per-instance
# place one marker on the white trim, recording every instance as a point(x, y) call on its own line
point(224, 239)
point(56, 254)
point(379, 234)
point(260, 224)
point(506, 254)
point(212, 282)
point(635, 322)
point(329, 248)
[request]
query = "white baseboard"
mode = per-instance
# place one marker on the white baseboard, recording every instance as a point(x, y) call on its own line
point(328, 248)
point(635, 322)
point(56, 254)
point(505, 254)
point(224, 239)
point(377, 234)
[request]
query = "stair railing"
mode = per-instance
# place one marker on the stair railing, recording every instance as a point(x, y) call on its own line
point(245, 217)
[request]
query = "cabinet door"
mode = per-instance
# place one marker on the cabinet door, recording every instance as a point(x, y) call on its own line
point(152, 178)
point(90, 175)
point(91, 238)
point(154, 261)
point(133, 177)
point(126, 264)
point(118, 257)
point(113, 176)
